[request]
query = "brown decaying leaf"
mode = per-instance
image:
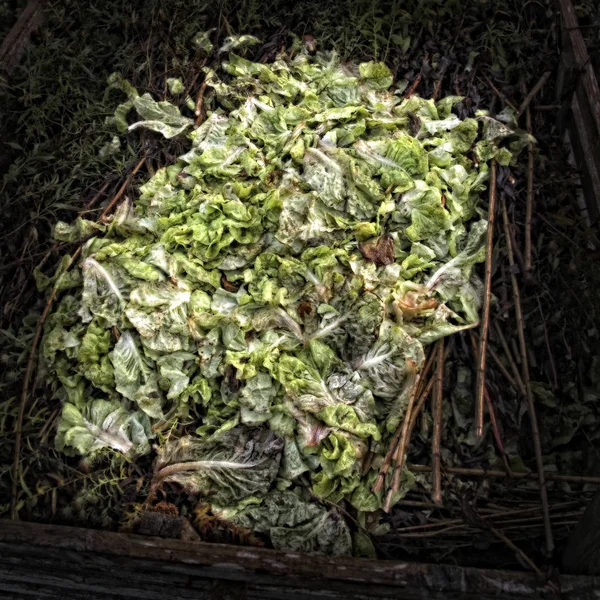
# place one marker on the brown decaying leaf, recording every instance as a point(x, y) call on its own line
point(413, 304)
point(378, 250)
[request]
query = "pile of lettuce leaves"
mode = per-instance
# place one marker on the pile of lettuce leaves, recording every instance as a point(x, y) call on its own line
point(257, 317)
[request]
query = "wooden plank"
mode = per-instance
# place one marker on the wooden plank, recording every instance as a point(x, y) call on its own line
point(582, 59)
point(18, 37)
point(68, 562)
point(582, 554)
point(587, 156)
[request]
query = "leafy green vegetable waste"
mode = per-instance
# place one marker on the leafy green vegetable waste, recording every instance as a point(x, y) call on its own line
point(273, 290)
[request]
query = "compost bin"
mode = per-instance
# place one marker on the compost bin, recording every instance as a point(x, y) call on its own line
point(299, 300)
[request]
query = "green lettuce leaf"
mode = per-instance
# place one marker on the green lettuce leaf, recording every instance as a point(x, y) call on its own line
point(228, 467)
point(103, 424)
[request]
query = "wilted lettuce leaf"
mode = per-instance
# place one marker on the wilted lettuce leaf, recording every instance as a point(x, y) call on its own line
point(135, 377)
point(101, 424)
point(162, 117)
point(229, 467)
point(376, 74)
point(80, 230)
point(298, 525)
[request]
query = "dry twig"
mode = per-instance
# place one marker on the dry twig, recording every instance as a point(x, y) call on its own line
point(485, 318)
point(101, 191)
point(467, 472)
point(436, 494)
point(525, 371)
point(395, 440)
point(415, 84)
point(529, 205)
point(122, 189)
point(401, 449)
point(536, 88)
point(548, 348)
point(511, 360)
point(517, 550)
point(198, 111)
point(499, 93)
point(16, 476)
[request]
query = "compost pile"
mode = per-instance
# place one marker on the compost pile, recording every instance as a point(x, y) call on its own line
point(259, 317)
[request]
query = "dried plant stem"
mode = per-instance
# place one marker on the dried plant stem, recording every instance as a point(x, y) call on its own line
point(436, 493)
point(509, 357)
point(536, 88)
point(525, 369)
point(499, 93)
point(198, 111)
point(548, 348)
point(496, 431)
point(16, 475)
point(518, 551)
point(379, 483)
point(492, 414)
point(425, 372)
point(467, 472)
point(99, 193)
point(401, 449)
point(122, 189)
point(488, 517)
point(504, 371)
point(485, 318)
point(415, 84)
point(529, 205)
point(419, 405)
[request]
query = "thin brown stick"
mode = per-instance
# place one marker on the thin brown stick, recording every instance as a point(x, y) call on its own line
point(415, 84)
point(420, 403)
point(438, 84)
point(536, 88)
point(529, 205)
point(432, 533)
point(517, 550)
point(509, 357)
point(198, 110)
point(530, 518)
point(501, 367)
point(387, 461)
point(14, 513)
point(525, 370)
point(485, 318)
point(468, 472)
point(101, 191)
point(492, 414)
point(380, 481)
point(401, 449)
point(425, 372)
point(548, 349)
point(499, 93)
point(496, 431)
point(436, 493)
point(486, 517)
point(122, 189)
point(413, 88)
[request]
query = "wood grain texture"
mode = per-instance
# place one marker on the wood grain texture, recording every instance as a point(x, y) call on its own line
point(582, 554)
point(49, 561)
point(18, 37)
point(582, 59)
point(579, 93)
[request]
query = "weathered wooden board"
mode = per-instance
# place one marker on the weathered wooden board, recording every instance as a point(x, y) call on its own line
point(49, 561)
point(578, 91)
point(18, 37)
